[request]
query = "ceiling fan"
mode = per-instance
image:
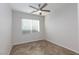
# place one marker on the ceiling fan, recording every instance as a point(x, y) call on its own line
point(40, 9)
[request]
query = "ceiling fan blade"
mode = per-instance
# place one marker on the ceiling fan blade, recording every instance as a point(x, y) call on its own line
point(33, 7)
point(43, 6)
point(46, 10)
point(39, 5)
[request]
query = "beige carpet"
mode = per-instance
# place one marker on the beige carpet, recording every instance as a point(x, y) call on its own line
point(41, 47)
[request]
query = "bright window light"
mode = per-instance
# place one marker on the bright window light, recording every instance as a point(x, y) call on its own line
point(29, 25)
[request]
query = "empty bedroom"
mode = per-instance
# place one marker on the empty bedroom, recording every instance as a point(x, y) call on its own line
point(39, 29)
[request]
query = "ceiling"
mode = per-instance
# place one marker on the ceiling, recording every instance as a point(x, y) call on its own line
point(24, 7)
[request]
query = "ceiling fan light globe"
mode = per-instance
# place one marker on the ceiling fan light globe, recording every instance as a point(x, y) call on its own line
point(39, 11)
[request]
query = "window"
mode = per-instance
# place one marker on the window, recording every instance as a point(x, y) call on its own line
point(29, 26)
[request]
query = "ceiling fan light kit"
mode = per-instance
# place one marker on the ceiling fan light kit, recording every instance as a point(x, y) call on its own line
point(39, 10)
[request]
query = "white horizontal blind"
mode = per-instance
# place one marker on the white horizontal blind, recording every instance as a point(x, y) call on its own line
point(29, 25)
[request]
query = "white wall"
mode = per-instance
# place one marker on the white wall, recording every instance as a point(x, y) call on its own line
point(18, 36)
point(5, 28)
point(61, 26)
point(78, 24)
